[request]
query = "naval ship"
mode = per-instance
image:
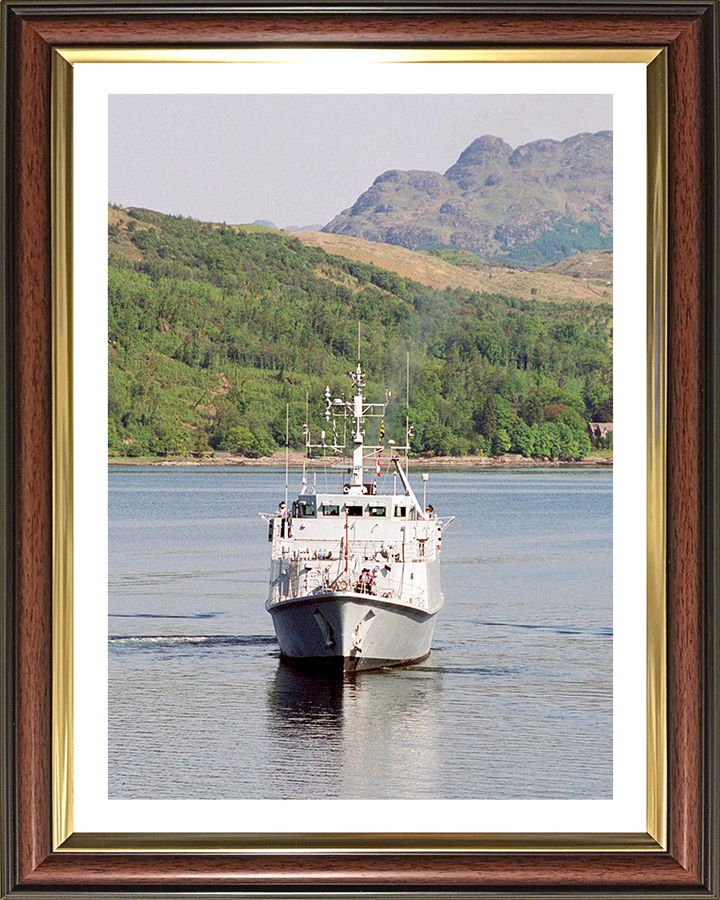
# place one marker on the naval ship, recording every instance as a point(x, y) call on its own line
point(355, 573)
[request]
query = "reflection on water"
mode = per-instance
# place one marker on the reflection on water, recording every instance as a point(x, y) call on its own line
point(514, 701)
point(343, 728)
point(306, 706)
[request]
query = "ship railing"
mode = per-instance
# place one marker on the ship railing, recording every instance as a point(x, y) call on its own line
point(367, 552)
point(414, 597)
point(407, 551)
point(323, 551)
point(282, 550)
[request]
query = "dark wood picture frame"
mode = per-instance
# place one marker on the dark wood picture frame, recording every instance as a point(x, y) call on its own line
point(689, 31)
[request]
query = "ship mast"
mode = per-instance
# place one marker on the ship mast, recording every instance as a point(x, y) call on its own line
point(353, 413)
point(357, 467)
point(407, 412)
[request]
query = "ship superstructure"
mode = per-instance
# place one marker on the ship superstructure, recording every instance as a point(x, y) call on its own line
point(355, 573)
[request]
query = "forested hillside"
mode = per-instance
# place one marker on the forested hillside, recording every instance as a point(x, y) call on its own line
point(214, 329)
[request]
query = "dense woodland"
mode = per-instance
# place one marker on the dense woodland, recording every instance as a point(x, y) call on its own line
point(213, 330)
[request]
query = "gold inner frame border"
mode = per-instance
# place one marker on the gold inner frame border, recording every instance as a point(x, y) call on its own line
point(65, 839)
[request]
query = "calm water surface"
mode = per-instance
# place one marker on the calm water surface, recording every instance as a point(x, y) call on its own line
point(515, 700)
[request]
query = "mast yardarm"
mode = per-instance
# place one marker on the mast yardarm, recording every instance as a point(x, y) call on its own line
point(354, 412)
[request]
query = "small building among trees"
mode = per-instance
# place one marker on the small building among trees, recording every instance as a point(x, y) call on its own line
point(601, 434)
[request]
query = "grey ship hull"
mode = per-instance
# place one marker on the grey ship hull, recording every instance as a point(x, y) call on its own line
point(351, 632)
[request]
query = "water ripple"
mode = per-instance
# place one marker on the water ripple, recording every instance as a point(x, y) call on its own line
point(206, 640)
point(209, 615)
point(555, 629)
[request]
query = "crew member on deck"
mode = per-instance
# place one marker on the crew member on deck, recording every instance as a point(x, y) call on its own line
point(365, 584)
point(283, 513)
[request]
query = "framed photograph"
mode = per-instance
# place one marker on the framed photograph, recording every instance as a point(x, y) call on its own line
point(299, 302)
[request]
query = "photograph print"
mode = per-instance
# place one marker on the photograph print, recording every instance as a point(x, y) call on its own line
point(360, 446)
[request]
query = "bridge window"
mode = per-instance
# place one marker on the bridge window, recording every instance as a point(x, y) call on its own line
point(354, 510)
point(376, 510)
point(330, 509)
point(306, 509)
point(400, 512)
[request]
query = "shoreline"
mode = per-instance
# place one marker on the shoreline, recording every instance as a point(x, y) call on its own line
point(296, 460)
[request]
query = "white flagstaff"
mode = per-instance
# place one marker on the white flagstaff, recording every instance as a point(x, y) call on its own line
point(287, 450)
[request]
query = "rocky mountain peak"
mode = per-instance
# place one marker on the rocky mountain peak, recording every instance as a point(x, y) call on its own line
point(483, 151)
point(551, 197)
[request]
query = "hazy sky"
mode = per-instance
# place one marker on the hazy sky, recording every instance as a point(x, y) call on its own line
point(302, 159)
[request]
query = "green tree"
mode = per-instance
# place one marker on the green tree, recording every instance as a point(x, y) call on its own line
point(487, 419)
point(200, 445)
point(547, 441)
point(595, 394)
point(568, 443)
point(501, 443)
point(522, 439)
point(605, 411)
point(584, 445)
point(169, 437)
point(531, 409)
point(243, 441)
point(115, 444)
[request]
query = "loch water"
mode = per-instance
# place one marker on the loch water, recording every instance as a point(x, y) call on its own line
point(515, 700)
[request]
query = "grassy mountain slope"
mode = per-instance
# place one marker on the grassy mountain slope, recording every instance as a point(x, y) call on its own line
point(214, 329)
point(594, 266)
point(437, 270)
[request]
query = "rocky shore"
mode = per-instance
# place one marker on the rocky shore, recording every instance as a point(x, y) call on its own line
point(509, 461)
